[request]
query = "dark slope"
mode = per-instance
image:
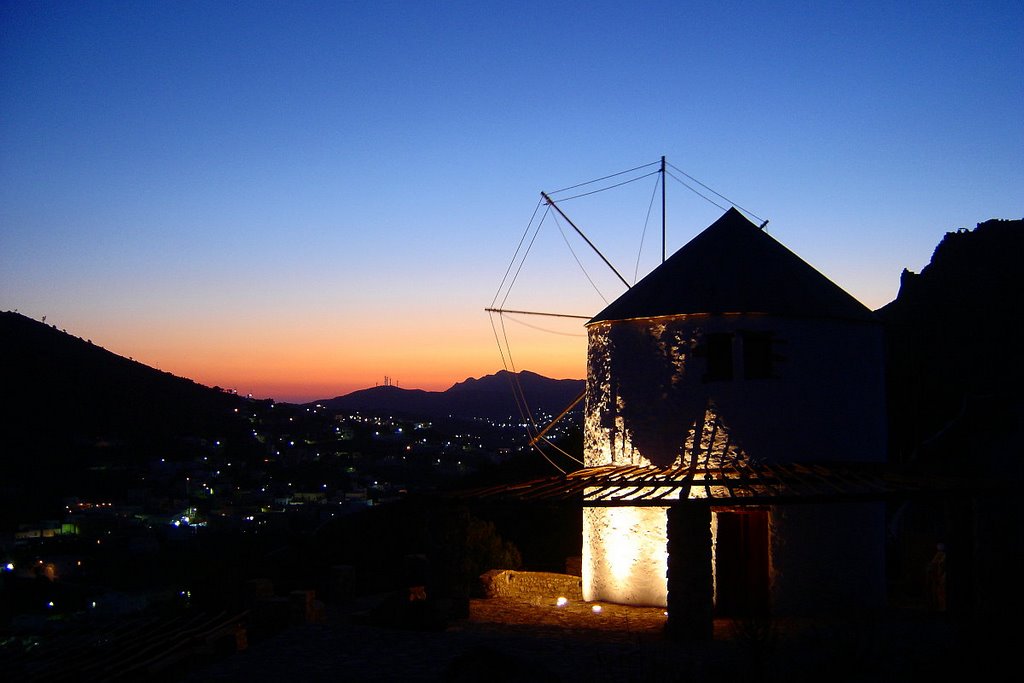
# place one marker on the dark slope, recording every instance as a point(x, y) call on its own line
point(956, 408)
point(73, 408)
point(490, 396)
point(956, 346)
point(69, 387)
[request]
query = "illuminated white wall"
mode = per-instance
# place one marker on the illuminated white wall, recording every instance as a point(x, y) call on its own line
point(648, 402)
point(625, 556)
point(646, 391)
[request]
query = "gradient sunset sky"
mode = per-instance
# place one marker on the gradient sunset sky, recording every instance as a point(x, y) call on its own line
point(296, 199)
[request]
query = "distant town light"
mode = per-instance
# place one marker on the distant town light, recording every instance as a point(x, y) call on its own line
point(9, 566)
point(596, 609)
point(50, 604)
point(562, 602)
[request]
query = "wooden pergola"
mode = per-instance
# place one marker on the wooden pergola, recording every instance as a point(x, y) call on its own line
point(690, 493)
point(726, 485)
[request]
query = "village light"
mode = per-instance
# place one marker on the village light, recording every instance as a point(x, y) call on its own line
point(9, 566)
point(596, 609)
point(561, 602)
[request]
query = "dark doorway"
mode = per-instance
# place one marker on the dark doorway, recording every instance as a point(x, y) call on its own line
point(741, 564)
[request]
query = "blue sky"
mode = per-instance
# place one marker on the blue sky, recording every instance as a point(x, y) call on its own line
point(295, 199)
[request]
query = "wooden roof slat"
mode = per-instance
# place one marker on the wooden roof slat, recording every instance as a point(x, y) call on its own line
point(745, 483)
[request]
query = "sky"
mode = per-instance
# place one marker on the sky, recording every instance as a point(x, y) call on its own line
point(297, 199)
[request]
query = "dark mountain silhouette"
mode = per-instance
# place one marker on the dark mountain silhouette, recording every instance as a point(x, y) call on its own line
point(490, 396)
point(955, 374)
point(73, 408)
point(955, 338)
point(68, 386)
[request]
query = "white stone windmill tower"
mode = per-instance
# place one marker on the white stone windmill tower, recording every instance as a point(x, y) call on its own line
point(734, 422)
point(735, 353)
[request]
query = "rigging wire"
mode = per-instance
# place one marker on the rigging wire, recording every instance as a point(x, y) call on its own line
point(696, 192)
point(517, 388)
point(518, 396)
point(560, 450)
point(543, 329)
point(545, 456)
point(506, 352)
point(577, 259)
point(501, 351)
point(597, 180)
point(518, 247)
point(505, 364)
point(750, 213)
point(525, 254)
point(610, 187)
point(643, 234)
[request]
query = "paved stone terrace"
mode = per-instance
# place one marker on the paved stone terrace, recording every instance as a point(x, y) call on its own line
point(514, 640)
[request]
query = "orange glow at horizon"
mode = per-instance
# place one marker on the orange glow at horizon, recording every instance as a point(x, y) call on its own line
point(294, 360)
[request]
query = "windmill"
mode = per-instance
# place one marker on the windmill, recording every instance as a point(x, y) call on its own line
point(728, 391)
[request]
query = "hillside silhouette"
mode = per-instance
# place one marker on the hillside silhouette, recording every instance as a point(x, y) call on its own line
point(80, 419)
point(955, 409)
point(955, 342)
point(490, 396)
point(70, 387)
point(73, 407)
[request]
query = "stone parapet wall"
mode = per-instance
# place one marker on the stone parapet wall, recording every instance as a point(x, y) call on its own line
point(506, 583)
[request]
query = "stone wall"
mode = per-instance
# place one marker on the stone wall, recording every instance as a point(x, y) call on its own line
point(625, 555)
point(506, 583)
point(827, 559)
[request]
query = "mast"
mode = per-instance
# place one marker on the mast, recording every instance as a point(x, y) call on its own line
point(597, 251)
point(662, 208)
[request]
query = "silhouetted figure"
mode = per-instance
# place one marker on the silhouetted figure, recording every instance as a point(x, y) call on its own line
point(935, 579)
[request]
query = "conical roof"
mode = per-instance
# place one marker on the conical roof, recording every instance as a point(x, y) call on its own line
point(735, 267)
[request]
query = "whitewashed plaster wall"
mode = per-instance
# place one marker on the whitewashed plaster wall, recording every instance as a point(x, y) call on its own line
point(648, 403)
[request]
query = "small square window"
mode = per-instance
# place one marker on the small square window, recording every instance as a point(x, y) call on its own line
point(718, 350)
point(757, 355)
